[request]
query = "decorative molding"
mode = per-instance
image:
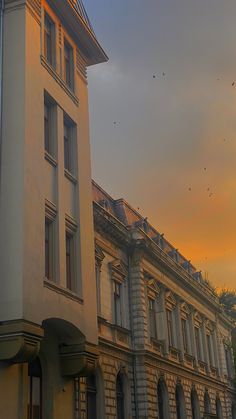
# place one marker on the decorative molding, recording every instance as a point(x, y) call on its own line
point(50, 210)
point(118, 270)
point(81, 65)
point(71, 224)
point(170, 300)
point(19, 341)
point(78, 360)
point(99, 255)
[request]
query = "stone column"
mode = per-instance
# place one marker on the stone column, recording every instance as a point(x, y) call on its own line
point(162, 321)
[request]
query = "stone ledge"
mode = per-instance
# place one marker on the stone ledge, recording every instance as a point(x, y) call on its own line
point(78, 360)
point(19, 341)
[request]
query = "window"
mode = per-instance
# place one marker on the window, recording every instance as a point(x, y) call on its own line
point(195, 405)
point(197, 340)
point(120, 398)
point(34, 390)
point(91, 397)
point(209, 349)
point(185, 334)
point(49, 40)
point(163, 400)
point(70, 262)
point(49, 249)
point(69, 149)
point(180, 402)
point(98, 286)
point(68, 64)
point(117, 303)
point(152, 318)
point(170, 327)
point(207, 403)
point(49, 125)
point(228, 359)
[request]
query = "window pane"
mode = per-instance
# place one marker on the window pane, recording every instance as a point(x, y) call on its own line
point(47, 249)
point(49, 28)
point(68, 64)
point(69, 261)
point(67, 147)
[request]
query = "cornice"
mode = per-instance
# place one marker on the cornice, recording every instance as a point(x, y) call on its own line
point(34, 6)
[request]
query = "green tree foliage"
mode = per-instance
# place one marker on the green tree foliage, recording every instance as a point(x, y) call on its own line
point(227, 299)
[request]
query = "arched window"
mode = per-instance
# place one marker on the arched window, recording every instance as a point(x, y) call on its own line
point(195, 405)
point(34, 390)
point(180, 403)
point(163, 400)
point(91, 397)
point(207, 403)
point(120, 399)
point(218, 408)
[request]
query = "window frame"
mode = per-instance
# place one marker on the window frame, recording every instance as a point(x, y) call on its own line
point(70, 145)
point(71, 283)
point(69, 64)
point(50, 59)
point(50, 148)
point(50, 221)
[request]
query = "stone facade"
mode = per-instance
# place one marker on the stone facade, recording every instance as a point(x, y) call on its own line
point(188, 350)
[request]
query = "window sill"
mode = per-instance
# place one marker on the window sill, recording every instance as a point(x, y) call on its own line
point(70, 176)
point(50, 159)
point(59, 80)
point(63, 291)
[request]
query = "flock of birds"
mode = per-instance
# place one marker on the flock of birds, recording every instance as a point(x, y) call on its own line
point(208, 190)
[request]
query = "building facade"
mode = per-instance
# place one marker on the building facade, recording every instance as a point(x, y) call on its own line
point(100, 317)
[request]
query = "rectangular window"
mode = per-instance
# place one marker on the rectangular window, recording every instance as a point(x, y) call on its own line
point(152, 318)
point(69, 64)
point(170, 327)
point(184, 334)
point(70, 262)
point(197, 340)
point(49, 40)
point(117, 303)
point(208, 337)
point(49, 249)
point(49, 125)
point(69, 145)
point(98, 286)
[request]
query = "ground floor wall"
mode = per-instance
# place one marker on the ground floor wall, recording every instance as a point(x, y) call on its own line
point(120, 377)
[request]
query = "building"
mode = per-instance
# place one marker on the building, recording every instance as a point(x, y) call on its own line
point(138, 334)
point(163, 337)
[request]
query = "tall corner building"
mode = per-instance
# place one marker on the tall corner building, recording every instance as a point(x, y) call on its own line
point(47, 306)
point(100, 316)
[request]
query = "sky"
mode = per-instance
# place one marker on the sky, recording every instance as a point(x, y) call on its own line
point(163, 121)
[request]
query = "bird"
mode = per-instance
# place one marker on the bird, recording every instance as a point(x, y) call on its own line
point(163, 74)
point(210, 194)
point(189, 189)
point(154, 76)
point(208, 189)
point(114, 123)
point(205, 168)
point(233, 83)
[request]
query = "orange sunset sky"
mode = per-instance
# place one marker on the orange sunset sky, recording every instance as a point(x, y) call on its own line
point(163, 121)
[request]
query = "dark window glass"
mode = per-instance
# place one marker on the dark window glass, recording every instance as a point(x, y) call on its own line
point(184, 334)
point(120, 398)
point(170, 327)
point(69, 261)
point(195, 405)
point(67, 147)
point(152, 318)
point(91, 397)
point(34, 390)
point(69, 64)
point(197, 340)
point(117, 303)
point(48, 249)
point(49, 47)
point(207, 403)
point(209, 349)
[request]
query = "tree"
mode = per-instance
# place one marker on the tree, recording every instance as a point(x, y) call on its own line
point(227, 299)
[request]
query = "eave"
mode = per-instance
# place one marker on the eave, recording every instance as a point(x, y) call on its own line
point(79, 31)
